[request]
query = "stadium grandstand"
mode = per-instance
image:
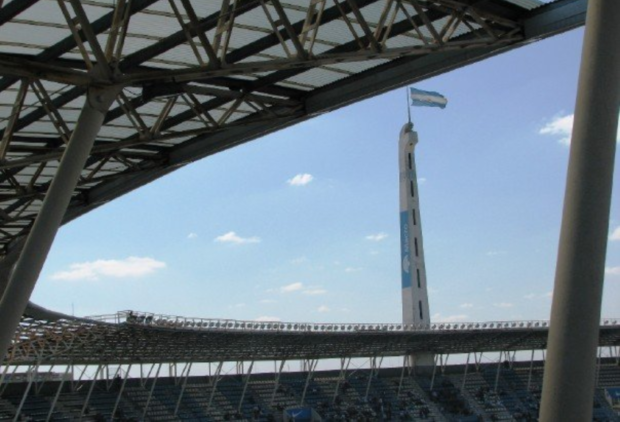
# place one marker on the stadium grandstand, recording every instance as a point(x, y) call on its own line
point(100, 97)
point(141, 366)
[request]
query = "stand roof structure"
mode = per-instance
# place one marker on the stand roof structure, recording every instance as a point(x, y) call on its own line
point(199, 77)
point(177, 339)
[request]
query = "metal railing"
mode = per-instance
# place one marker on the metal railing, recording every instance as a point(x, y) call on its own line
point(172, 321)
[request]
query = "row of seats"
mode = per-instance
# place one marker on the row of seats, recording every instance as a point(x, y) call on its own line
point(488, 393)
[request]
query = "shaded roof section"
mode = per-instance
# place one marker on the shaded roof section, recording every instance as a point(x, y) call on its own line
point(79, 341)
point(199, 77)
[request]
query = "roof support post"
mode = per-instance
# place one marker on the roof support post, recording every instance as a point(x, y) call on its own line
point(120, 392)
point(402, 375)
point(529, 375)
point(3, 387)
point(148, 400)
point(499, 367)
point(189, 368)
point(277, 383)
point(344, 366)
point(39, 386)
point(568, 384)
point(90, 390)
point(598, 366)
point(434, 370)
point(32, 375)
point(215, 380)
point(58, 392)
point(37, 246)
point(4, 372)
point(245, 385)
point(312, 363)
point(374, 370)
point(465, 373)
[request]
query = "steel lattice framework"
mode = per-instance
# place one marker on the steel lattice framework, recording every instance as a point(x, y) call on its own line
point(199, 77)
point(70, 341)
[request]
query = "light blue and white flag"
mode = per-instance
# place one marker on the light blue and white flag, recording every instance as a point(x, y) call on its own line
point(427, 98)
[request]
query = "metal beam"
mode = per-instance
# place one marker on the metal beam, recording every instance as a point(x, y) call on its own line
point(41, 237)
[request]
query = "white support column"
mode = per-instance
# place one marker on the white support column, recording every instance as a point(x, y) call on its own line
point(277, 382)
point(434, 371)
point(3, 387)
point(529, 376)
point(120, 392)
point(311, 367)
point(188, 367)
point(568, 385)
point(598, 366)
point(374, 369)
point(41, 236)
point(344, 366)
point(90, 391)
point(245, 386)
point(58, 393)
point(402, 375)
point(216, 379)
point(499, 367)
point(465, 374)
point(144, 381)
point(3, 376)
point(32, 375)
point(148, 400)
point(39, 386)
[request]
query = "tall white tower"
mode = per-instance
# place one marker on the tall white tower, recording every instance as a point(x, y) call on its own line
point(415, 293)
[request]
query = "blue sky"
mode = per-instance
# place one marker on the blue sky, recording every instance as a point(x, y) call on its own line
point(302, 225)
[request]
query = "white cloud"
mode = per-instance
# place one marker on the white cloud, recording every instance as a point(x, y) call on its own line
point(299, 260)
point(125, 268)
point(293, 287)
point(192, 236)
point(562, 126)
point(612, 270)
point(503, 305)
point(266, 318)
point(531, 296)
point(495, 253)
point(421, 180)
point(352, 269)
point(314, 292)
point(231, 237)
point(377, 237)
point(466, 305)
point(615, 235)
point(300, 179)
point(268, 301)
point(323, 309)
point(449, 318)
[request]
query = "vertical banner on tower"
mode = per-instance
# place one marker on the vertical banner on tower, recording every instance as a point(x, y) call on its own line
point(405, 251)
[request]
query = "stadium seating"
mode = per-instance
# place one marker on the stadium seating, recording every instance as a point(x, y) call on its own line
point(360, 395)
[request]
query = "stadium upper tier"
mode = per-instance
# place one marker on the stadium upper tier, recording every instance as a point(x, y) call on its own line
point(148, 338)
point(198, 77)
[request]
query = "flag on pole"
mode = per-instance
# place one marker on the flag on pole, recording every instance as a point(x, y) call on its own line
point(427, 98)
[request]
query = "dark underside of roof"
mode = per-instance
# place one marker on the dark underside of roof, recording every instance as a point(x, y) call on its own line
point(200, 77)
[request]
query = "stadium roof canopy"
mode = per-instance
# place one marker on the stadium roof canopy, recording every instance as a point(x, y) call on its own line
point(65, 341)
point(199, 77)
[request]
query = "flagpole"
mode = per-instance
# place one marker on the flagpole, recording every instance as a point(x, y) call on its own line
point(408, 106)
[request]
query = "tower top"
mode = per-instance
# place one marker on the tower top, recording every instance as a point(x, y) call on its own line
point(408, 135)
